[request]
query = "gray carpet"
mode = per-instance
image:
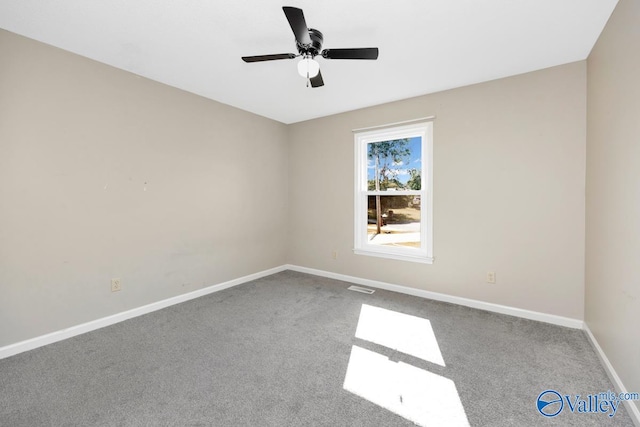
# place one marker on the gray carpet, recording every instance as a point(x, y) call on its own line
point(275, 352)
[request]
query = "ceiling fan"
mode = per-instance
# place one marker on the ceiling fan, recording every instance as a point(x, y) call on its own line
point(309, 45)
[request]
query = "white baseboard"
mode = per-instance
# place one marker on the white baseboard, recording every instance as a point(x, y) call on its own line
point(63, 334)
point(496, 308)
point(632, 408)
point(60, 335)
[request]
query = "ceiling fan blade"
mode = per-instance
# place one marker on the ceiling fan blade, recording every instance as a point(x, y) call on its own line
point(359, 53)
point(317, 80)
point(260, 58)
point(298, 24)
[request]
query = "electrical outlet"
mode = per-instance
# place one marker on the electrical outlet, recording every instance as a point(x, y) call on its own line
point(491, 277)
point(116, 285)
point(334, 254)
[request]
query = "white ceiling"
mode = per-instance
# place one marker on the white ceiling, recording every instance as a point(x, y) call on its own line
point(425, 45)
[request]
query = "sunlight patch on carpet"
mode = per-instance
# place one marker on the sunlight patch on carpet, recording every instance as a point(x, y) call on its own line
point(401, 332)
point(413, 393)
point(426, 398)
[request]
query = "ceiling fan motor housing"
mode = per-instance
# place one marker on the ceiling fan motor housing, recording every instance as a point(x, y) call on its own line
point(316, 44)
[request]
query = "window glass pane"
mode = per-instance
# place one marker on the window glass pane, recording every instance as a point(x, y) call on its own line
point(394, 164)
point(398, 221)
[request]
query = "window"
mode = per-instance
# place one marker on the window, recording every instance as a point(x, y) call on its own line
point(393, 194)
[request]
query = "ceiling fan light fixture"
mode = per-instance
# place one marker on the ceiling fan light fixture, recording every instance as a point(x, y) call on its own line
point(308, 67)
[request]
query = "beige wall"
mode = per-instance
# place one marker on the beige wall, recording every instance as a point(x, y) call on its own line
point(508, 192)
point(613, 193)
point(225, 189)
point(78, 141)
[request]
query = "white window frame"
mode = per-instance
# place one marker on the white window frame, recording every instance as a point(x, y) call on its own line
point(424, 254)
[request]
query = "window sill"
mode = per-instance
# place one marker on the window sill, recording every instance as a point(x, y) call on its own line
point(396, 256)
